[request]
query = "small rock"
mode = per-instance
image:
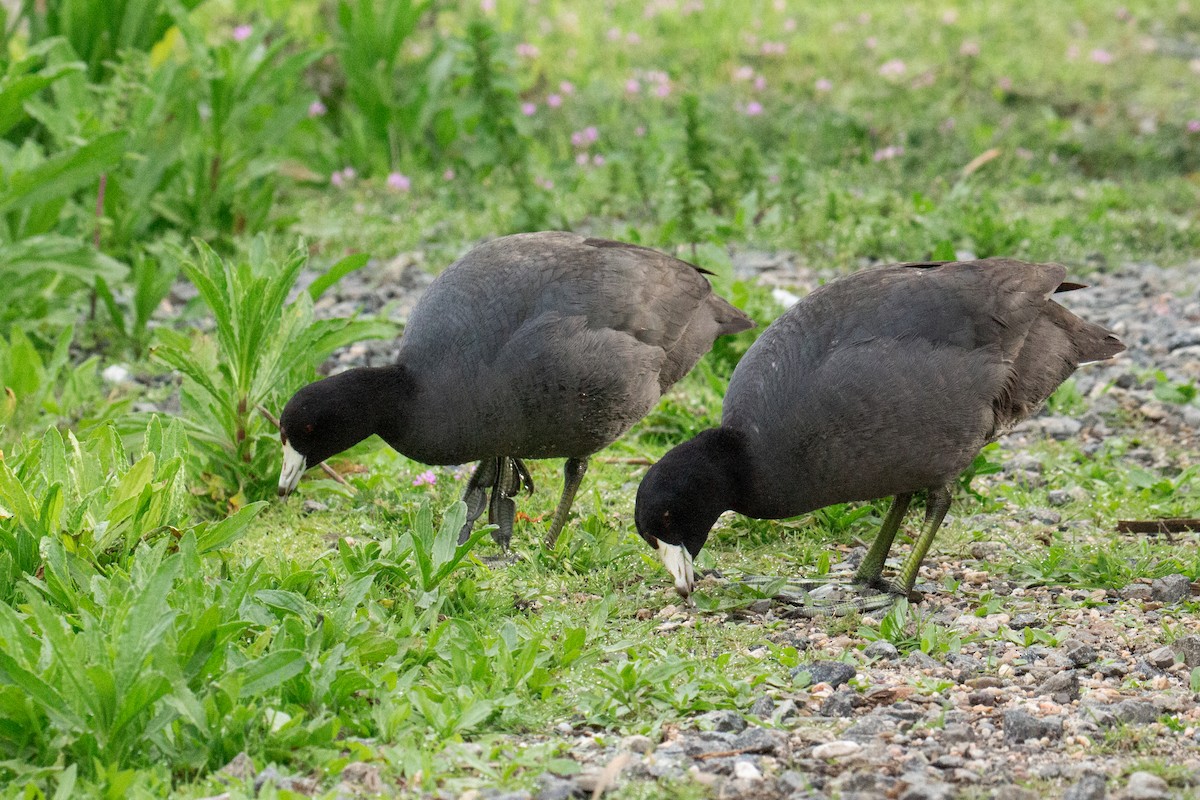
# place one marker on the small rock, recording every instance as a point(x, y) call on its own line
point(1063, 687)
point(1135, 712)
point(1058, 497)
point(840, 748)
point(552, 787)
point(921, 787)
point(792, 782)
point(1020, 726)
point(706, 742)
point(1146, 786)
point(841, 703)
point(1162, 658)
point(1091, 786)
point(1060, 427)
point(1026, 620)
point(1011, 792)
point(763, 707)
point(637, 744)
point(1137, 591)
point(744, 769)
point(1188, 648)
point(1079, 653)
point(835, 673)
point(921, 660)
point(1171, 589)
point(1045, 516)
point(760, 606)
point(723, 721)
point(881, 650)
point(761, 740)
point(116, 373)
point(957, 732)
point(313, 506)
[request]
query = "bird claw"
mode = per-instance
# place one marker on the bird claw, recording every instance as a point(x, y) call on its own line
point(819, 598)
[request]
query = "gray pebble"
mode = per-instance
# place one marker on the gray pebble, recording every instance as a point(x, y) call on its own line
point(723, 721)
point(1079, 653)
point(1188, 648)
point(840, 704)
point(552, 787)
point(1135, 712)
point(762, 740)
point(1091, 786)
point(1171, 589)
point(1146, 786)
point(1136, 591)
point(704, 742)
point(921, 660)
point(1011, 792)
point(1020, 726)
point(1063, 687)
point(1059, 427)
point(881, 650)
point(1162, 658)
point(835, 673)
point(763, 707)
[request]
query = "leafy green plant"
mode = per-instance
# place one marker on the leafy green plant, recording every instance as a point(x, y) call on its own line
point(99, 31)
point(262, 349)
point(392, 97)
point(421, 558)
point(39, 263)
point(909, 630)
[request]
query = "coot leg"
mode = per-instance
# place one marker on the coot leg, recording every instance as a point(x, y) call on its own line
point(509, 479)
point(573, 471)
point(871, 568)
point(523, 474)
point(475, 496)
point(936, 506)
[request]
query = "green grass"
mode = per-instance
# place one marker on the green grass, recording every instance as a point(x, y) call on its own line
point(157, 621)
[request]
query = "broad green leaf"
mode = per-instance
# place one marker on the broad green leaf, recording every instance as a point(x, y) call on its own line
point(335, 273)
point(228, 530)
point(63, 173)
point(263, 674)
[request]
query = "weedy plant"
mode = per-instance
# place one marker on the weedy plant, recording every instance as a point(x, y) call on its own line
point(262, 349)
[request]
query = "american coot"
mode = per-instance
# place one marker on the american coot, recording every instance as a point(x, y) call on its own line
point(883, 383)
point(537, 345)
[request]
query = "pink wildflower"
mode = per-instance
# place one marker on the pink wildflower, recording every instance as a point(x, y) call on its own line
point(242, 32)
point(426, 478)
point(893, 68)
point(753, 108)
point(632, 86)
point(969, 48)
point(487, 6)
point(598, 160)
point(317, 109)
point(529, 109)
point(566, 87)
point(448, 175)
point(554, 100)
point(1102, 56)
point(639, 131)
point(888, 153)
point(1193, 126)
point(398, 182)
point(527, 50)
point(823, 85)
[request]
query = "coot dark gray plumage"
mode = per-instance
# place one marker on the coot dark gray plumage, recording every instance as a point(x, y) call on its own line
point(883, 383)
point(537, 345)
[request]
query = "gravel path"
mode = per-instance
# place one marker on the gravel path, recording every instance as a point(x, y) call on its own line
point(1083, 717)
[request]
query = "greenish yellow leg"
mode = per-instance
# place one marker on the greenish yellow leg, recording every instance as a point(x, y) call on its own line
point(936, 506)
point(573, 472)
point(871, 568)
